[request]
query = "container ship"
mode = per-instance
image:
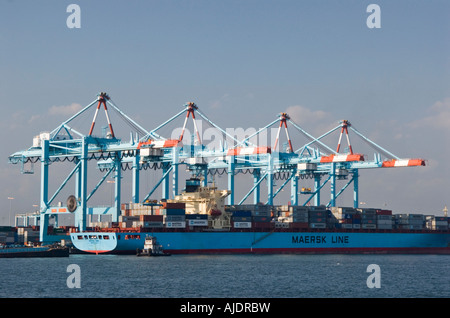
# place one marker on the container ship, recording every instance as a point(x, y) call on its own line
point(198, 222)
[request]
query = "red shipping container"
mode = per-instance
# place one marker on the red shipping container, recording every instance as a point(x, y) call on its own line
point(151, 218)
point(173, 205)
point(384, 212)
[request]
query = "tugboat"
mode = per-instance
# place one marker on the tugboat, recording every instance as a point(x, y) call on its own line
point(151, 248)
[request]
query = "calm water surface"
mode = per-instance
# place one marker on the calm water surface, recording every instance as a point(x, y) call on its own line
point(223, 276)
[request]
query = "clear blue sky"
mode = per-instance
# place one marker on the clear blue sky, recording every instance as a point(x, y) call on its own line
point(242, 62)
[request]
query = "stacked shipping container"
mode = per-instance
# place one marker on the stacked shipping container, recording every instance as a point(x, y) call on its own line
point(173, 215)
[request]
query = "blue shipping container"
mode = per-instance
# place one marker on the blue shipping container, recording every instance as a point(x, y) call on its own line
point(242, 213)
point(173, 211)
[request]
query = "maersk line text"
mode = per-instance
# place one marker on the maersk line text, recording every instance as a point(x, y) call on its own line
point(320, 239)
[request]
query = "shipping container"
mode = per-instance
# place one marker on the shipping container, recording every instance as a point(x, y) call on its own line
point(172, 211)
point(151, 218)
point(317, 208)
point(174, 205)
point(299, 219)
point(124, 218)
point(298, 208)
point(384, 222)
point(263, 225)
point(317, 220)
point(317, 213)
point(242, 219)
point(261, 219)
point(384, 212)
point(317, 225)
point(153, 224)
point(262, 213)
point(196, 216)
point(174, 218)
point(242, 213)
point(411, 227)
point(198, 222)
point(175, 224)
point(242, 225)
point(368, 226)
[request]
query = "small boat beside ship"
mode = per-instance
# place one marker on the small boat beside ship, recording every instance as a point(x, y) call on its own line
point(151, 248)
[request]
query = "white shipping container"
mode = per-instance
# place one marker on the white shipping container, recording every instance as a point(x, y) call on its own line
point(198, 222)
point(317, 225)
point(384, 226)
point(384, 222)
point(261, 213)
point(416, 216)
point(356, 226)
point(176, 224)
point(369, 226)
point(384, 217)
point(242, 225)
point(174, 218)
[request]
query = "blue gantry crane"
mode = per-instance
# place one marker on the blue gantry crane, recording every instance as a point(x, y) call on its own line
point(149, 150)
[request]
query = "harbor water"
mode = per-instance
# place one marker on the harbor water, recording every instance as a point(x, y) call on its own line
point(227, 276)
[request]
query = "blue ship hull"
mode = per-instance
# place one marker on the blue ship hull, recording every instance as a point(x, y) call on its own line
point(316, 242)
